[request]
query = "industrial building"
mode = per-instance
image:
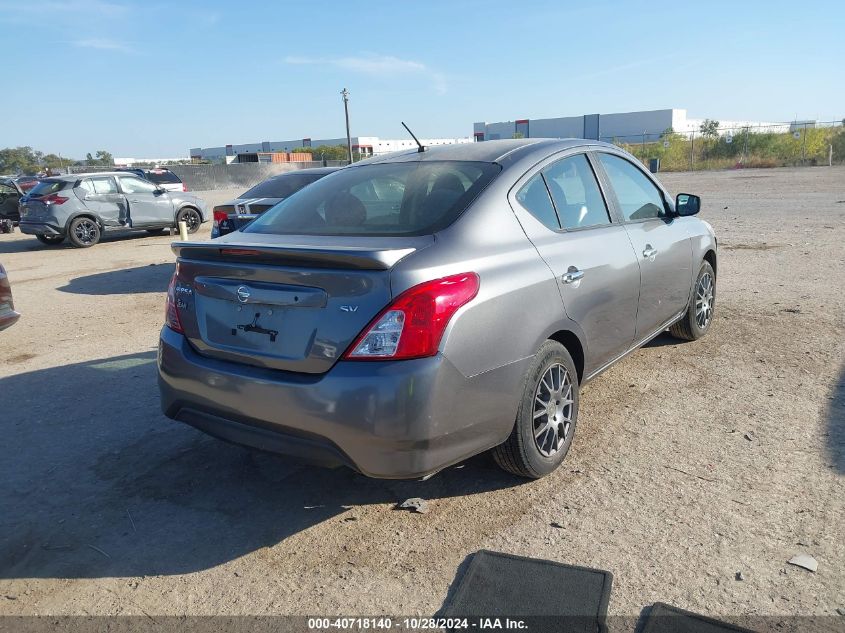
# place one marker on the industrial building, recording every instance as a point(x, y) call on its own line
point(640, 126)
point(364, 145)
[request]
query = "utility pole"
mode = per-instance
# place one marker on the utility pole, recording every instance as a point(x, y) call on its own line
point(345, 94)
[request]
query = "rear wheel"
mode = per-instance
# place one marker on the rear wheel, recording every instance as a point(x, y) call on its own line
point(50, 240)
point(699, 315)
point(191, 218)
point(545, 421)
point(83, 232)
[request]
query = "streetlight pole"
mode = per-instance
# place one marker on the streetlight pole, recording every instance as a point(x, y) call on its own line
point(345, 94)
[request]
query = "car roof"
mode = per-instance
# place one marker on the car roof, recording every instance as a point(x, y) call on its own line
point(87, 174)
point(309, 170)
point(484, 151)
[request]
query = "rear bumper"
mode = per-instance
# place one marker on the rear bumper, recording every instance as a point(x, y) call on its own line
point(396, 420)
point(39, 228)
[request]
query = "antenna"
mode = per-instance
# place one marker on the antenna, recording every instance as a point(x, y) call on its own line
point(421, 146)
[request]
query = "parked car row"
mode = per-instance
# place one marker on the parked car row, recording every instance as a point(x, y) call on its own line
point(406, 312)
point(409, 311)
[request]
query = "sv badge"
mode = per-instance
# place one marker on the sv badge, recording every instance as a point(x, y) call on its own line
point(349, 308)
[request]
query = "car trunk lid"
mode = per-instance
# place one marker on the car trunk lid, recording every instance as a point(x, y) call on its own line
point(294, 305)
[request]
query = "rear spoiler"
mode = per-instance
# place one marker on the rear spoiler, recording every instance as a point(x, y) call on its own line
point(361, 258)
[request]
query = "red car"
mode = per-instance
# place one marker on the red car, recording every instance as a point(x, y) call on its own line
point(26, 182)
point(7, 309)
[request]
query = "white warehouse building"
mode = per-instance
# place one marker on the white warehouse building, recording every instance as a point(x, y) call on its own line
point(363, 145)
point(625, 126)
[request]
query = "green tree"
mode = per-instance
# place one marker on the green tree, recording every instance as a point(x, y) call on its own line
point(102, 158)
point(53, 161)
point(710, 129)
point(329, 152)
point(20, 160)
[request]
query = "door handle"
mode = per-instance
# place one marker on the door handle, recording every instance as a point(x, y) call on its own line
point(572, 275)
point(649, 252)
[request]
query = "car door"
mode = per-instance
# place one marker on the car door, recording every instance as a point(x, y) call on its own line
point(566, 217)
point(9, 201)
point(101, 196)
point(148, 205)
point(660, 242)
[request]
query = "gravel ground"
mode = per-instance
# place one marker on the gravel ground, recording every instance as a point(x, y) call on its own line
point(692, 461)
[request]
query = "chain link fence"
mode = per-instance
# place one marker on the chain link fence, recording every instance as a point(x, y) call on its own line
point(715, 147)
point(205, 177)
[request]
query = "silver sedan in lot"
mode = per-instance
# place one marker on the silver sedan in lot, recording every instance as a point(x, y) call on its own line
point(410, 311)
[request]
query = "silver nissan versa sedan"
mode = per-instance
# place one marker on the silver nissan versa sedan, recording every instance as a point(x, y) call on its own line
point(410, 311)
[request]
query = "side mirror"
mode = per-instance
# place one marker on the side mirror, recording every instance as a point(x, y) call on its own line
point(687, 204)
point(160, 190)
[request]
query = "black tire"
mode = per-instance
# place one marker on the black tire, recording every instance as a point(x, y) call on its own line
point(191, 218)
point(692, 326)
point(83, 232)
point(521, 454)
point(50, 240)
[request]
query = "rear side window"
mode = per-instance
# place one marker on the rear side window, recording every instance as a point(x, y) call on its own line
point(535, 198)
point(130, 184)
point(104, 185)
point(281, 186)
point(576, 193)
point(162, 177)
point(638, 197)
point(404, 198)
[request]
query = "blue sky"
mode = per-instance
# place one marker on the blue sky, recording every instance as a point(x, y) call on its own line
point(155, 78)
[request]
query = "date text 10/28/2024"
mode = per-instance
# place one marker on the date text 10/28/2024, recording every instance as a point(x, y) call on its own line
point(415, 624)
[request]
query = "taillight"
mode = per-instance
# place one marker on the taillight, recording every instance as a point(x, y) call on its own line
point(220, 216)
point(53, 198)
point(412, 326)
point(171, 310)
point(184, 187)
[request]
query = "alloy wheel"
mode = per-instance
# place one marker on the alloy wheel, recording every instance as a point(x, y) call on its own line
point(552, 410)
point(704, 301)
point(86, 231)
point(191, 219)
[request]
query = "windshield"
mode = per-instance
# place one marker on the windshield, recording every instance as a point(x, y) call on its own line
point(407, 198)
point(162, 177)
point(281, 186)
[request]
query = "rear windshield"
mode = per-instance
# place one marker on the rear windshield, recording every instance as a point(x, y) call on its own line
point(46, 187)
point(281, 186)
point(408, 198)
point(162, 176)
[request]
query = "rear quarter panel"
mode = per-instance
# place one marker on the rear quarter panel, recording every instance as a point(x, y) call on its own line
point(518, 304)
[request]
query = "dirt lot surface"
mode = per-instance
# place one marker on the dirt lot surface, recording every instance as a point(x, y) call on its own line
point(693, 462)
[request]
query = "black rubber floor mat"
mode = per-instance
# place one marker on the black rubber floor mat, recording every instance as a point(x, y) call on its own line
point(664, 618)
point(547, 596)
